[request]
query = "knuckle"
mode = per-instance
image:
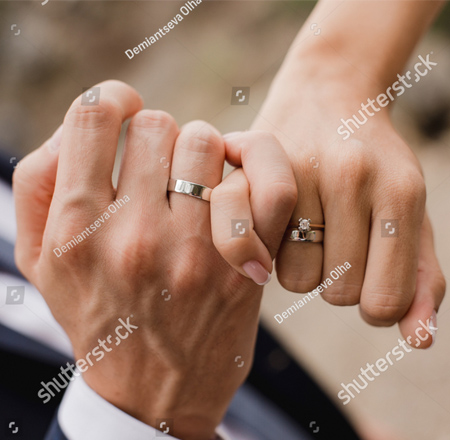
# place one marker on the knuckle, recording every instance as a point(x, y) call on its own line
point(201, 137)
point(408, 191)
point(384, 306)
point(281, 195)
point(342, 294)
point(100, 116)
point(135, 256)
point(20, 175)
point(352, 171)
point(68, 245)
point(63, 247)
point(156, 120)
point(73, 217)
point(230, 248)
point(439, 286)
point(76, 202)
point(183, 277)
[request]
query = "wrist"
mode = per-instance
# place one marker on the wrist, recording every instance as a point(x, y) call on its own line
point(348, 40)
point(315, 90)
point(315, 62)
point(161, 399)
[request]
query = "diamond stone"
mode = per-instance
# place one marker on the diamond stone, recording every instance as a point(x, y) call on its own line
point(303, 224)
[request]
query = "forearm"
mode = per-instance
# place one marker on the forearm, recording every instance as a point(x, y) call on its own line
point(361, 48)
point(367, 41)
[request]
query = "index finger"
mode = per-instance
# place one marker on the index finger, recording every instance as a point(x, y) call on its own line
point(90, 137)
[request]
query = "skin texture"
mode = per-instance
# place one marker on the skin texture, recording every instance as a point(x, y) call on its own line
point(186, 347)
point(260, 189)
point(157, 244)
point(360, 181)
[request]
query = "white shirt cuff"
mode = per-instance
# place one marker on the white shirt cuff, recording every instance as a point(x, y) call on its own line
point(84, 415)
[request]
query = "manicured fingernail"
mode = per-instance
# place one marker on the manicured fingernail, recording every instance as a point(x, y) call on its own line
point(231, 135)
point(433, 327)
point(256, 272)
point(55, 140)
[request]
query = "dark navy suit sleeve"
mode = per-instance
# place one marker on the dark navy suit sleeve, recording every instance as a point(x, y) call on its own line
point(55, 431)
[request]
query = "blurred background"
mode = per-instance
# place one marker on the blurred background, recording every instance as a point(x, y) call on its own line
point(64, 47)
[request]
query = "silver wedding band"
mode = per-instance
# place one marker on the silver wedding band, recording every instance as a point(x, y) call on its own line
point(190, 189)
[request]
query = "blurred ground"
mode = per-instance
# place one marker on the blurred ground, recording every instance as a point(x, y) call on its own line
point(64, 47)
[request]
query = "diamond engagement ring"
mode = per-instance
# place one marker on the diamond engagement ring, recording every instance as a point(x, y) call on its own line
point(305, 231)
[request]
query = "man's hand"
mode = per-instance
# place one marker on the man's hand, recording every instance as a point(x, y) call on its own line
point(99, 254)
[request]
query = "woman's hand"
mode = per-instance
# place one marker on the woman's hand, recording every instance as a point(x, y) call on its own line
point(356, 187)
point(258, 197)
